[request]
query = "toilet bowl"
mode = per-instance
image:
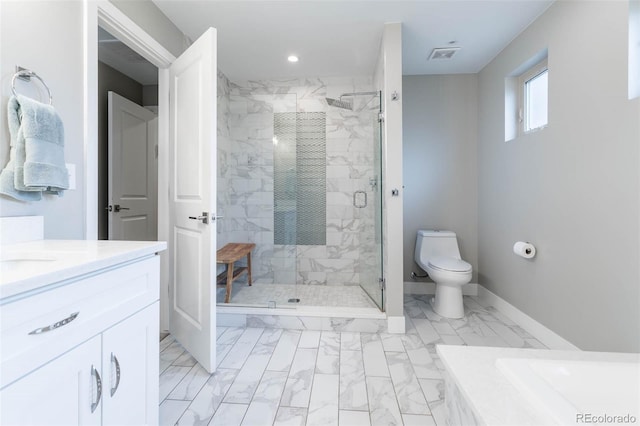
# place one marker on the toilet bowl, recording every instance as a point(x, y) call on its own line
point(437, 253)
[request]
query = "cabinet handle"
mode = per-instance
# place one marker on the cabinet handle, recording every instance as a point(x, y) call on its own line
point(114, 360)
point(56, 324)
point(96, 375)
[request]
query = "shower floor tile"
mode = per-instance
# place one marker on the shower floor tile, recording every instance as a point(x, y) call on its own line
point(309, 295)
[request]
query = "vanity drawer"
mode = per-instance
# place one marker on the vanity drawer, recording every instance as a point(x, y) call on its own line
point(41, 327)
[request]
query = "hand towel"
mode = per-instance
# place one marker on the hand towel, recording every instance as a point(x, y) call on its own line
point(16, 156)
point(37, 151)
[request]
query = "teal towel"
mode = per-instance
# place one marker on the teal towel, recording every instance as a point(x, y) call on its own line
point(37, 151)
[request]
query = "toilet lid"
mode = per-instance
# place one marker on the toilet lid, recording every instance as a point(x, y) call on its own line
point(449, 264)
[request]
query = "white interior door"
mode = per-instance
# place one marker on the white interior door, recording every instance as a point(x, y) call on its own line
point(133, 171)
point(192, 195)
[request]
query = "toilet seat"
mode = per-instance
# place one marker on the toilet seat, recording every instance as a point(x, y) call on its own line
point(449, 264)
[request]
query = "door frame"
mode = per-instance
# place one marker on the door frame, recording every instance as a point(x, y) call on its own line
point(105, 14)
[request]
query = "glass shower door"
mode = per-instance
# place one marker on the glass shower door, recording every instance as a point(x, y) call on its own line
point(372, 280)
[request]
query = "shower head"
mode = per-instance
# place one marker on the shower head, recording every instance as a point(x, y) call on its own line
point(339, 103)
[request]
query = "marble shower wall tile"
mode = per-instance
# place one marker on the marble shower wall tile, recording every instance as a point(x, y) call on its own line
point(245, 175)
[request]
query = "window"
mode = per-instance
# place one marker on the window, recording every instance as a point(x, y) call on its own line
point(533, 105)
point(526, 96)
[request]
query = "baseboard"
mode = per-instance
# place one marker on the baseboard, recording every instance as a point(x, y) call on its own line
point(422, 287)
point(396, 324)
point(548, 337)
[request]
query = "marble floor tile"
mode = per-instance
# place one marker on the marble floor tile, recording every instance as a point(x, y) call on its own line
point(323, 406)
point(350, 341)
point(207, 401)
point(291, 416)
point(415, 420)
point(375, 363)
point(383, 405)
point(392, 342)
point(284, 351)
point(298, 388)
point(328, 361)
point(229, 415)
point(300, 377)
point(410, 398)
point(221, 352)
point(230, 335)
point(268, 341)
point(353, 418)
point(353, 387)
point(172, 352)
point(190, 385)
point(309, 339)
point(423, 364)
point(170, 378)
point(246, 383)
point(242, 348)
point(507, 334)
point(170, 411)
point(264, 405)
point(164, 343)
point(185, 360)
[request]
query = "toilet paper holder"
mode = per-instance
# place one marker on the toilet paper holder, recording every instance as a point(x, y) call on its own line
point(524, 249)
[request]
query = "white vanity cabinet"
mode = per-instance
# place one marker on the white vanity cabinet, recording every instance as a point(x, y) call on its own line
point(83, 351)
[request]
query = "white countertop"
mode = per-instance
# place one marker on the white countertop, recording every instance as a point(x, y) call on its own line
point(28, 266)
point(489, 393)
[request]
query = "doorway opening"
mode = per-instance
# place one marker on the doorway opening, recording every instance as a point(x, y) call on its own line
point(127, 142)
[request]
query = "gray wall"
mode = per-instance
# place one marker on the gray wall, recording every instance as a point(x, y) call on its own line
point(29, 37)
point(109, 79)
point(440, 162)
point(573, 188)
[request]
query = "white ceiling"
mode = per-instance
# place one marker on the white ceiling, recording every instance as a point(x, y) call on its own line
point(343, 37)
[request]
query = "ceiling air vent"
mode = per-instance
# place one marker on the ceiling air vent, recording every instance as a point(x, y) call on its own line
point(443, 52)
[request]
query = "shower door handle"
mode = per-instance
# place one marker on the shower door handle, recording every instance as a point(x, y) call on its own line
point(360, 199)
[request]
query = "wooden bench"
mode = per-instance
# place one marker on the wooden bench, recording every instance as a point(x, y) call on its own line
point(228, 255)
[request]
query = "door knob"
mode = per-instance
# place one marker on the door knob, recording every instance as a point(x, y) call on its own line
point(118, 207)
point(204, 218)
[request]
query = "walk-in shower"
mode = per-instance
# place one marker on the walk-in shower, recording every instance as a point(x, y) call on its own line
point(299, 175)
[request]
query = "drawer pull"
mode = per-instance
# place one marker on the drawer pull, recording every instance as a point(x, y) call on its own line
point(114, 360)
point(96, 375)
point(56, 325)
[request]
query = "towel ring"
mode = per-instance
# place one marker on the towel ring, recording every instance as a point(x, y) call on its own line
point(27, 74)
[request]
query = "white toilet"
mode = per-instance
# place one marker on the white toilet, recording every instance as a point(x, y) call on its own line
point(438, 254)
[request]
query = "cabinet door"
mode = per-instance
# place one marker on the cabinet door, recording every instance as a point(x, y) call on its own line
point(60, 392)
point(130, 359)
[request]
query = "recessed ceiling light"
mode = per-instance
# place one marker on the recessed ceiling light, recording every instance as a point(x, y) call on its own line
point(292, 58)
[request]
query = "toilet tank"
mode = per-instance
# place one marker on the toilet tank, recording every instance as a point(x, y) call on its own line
point(431, 243)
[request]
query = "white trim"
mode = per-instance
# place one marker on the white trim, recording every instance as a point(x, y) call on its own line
point(424, 287)
point(163, 194)
point(548, 337)
point(306, 311)
point(396, 325)
point(103, 13)
point(127, 31)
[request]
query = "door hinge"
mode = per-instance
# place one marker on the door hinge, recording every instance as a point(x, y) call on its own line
point(380, 117)
point(156, 149)
point(383, 283)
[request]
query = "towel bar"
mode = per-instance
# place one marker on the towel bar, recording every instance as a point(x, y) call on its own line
point(26, 74)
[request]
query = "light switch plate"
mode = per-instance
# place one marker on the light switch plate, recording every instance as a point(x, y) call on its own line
point(71, 169)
